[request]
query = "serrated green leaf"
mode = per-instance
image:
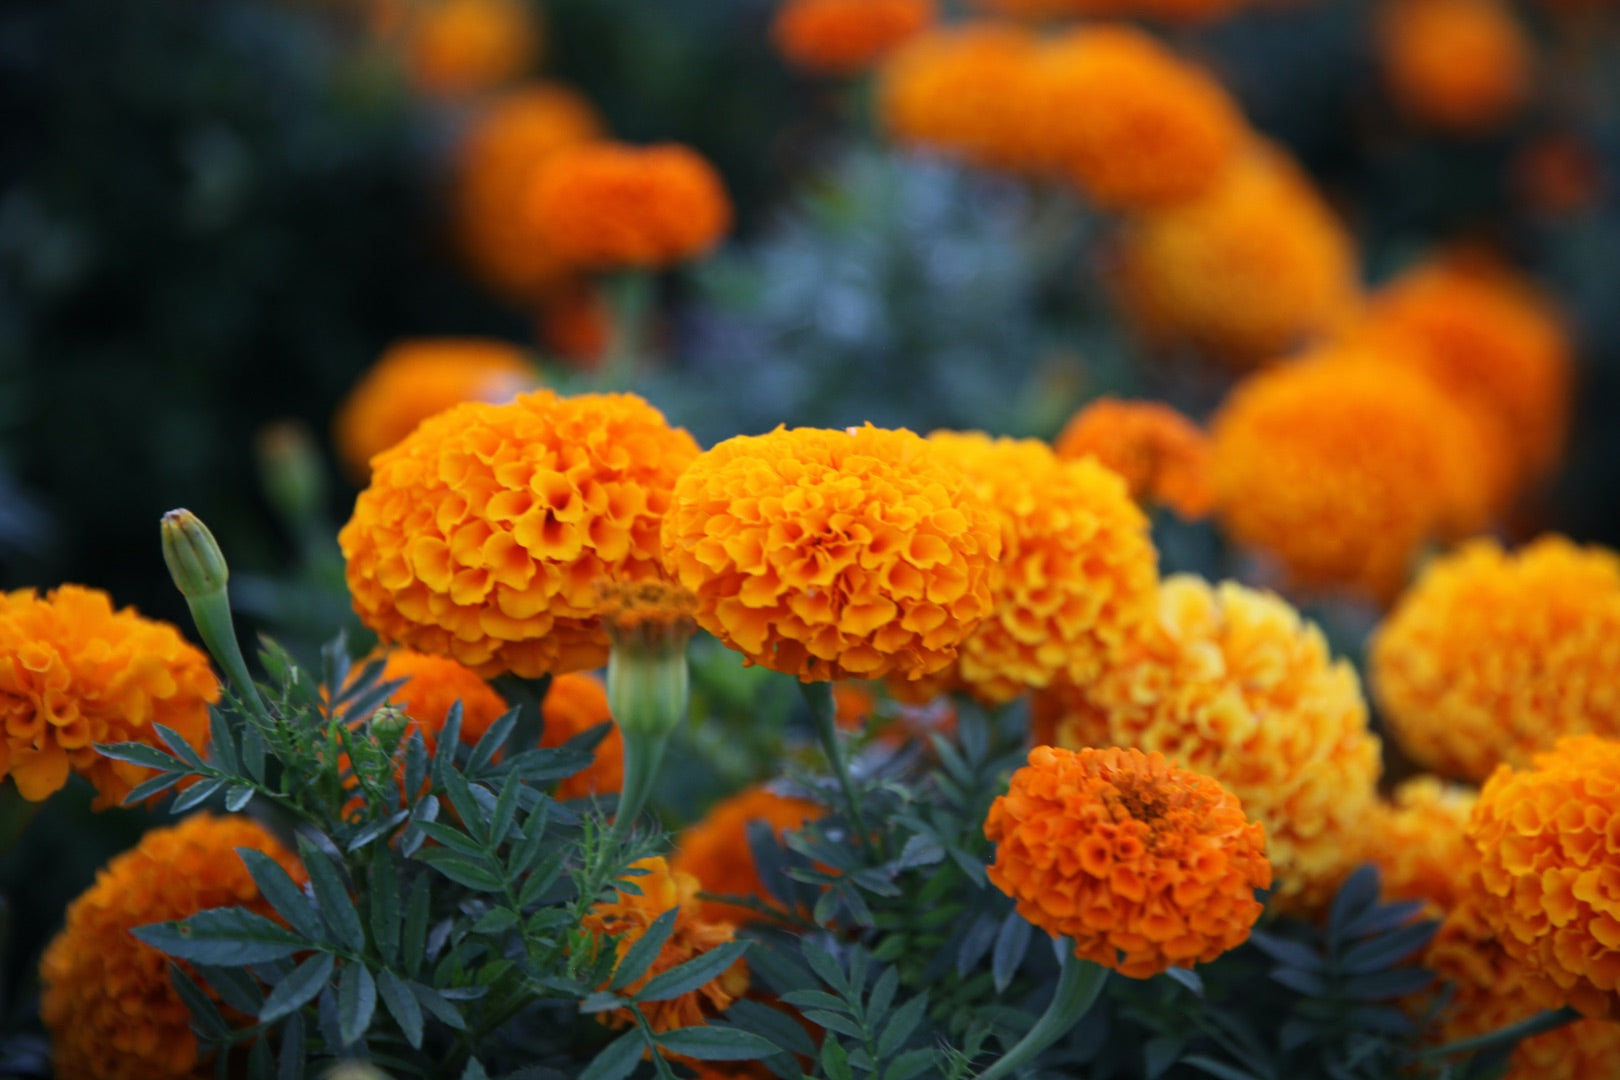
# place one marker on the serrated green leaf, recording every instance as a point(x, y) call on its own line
point(826, 967)
point(436, 1003)
point(414, 931)
point(882, 996)
point(692, 974)
point(474, 873)
point(452, 837)
point(641, 954)
point(491, 741)
point(221, 744)
point(235, 987)
point(715, 1042)
point(835, 1021)
point(384, 905)
point(496, 921)
point(237, 796)
point(835, 1061)
point(297, 988)
point(814, 999)
point(332, 897)
point(157, 785)
point(182, 749)
point(1187, 977)
point(1012, 944)
point(1355, 897)
point(976, 942)
point(283, 893)
point(901, 1025)
point(141, 754)
point(196, 795)
point(1394, 982)
point(253, 752)
point(1377, 953)
point(618, 1059)
point(773, 1024)
point(357, 1001)
point(1284, 951)
point(506, 804)
point(909, 1064)
point(204, 1013)
point(223, 937)
point(377, 829)
point(401, 1005)
point(290, 1059)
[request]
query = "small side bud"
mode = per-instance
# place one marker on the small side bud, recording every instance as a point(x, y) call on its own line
point(388, 725)
point(195, 561)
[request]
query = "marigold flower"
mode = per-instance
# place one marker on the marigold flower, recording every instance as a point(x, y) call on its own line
point(1145, 865)
point(575, 704)
point(1418, 844)
point(487, 533)
point(459, 47)
point(845, 37)
point(416, 379)
point(1457, 65)
point(1492, 656)
point(1079, 568)
point(627, 919)
point(1172, 11)
point(107, 1001)
point(503, 151)
point(1548, 839)
point(608, 205)
point(1163, 456)
point(715, 849)
point(1232, 683)
point(1250, 269)
point(834, 554)
point(74, 672)
point(1342, 468)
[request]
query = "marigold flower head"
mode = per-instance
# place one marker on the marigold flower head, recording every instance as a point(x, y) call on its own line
point(1234, 684)
point(628, 918)
point(498, 160)
point(834, 554)
point(1492, 656)
point(459, 47)
point(107, 1001)
point(1417, 842)
point(1463, 66)
point(1342, 469)
point(1249, 269)
point(416, 379)
point(1145, 865)
point(609, 205)
point(1079, 568)
point(74, 672)
point(715, 848)
point(575, 704)
point(1548, 839)
point(845, 37)
point(487, 533)
point(1163, 456)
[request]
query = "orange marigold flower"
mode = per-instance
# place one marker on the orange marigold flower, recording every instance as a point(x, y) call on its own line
point(1079, 568)
point(1145, 865)
point(1163, 456)
point(627, 919)
point(1491, 656)
point(74, 672)
point(845, 37)
point(575, 323)
point(1342, 468)
point(834, 554)
point(459, 47)
point(1249, 269)
point(107, 1001)
point(608, 205)
point(1128, 121)
point(1171, 11)
point(715, 849)
point(416, 379)
point(1417, 842)
point(487, 533)
point(1457, 65)
point(502, 153)
point(1548, 839)
point(575, 704)
point(1232, 683)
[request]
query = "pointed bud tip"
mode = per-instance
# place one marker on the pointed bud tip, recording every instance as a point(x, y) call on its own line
point(192, 554)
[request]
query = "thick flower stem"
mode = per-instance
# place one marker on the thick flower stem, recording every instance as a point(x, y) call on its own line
point(630, 296)
point(1508, 1036)
point(200, 573)
point(824, 713)
point(1078, 986)
point(642, 755)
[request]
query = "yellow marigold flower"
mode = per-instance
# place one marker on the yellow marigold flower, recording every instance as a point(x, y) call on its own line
point(1079, 568)
point(487, 533)
point(414, 380)
point(1163, 456)
point(715, 849)
point(1234, 684)
point(845, 37)
point(498, 160)
point(575, 704)
point(609, 205)
point(627, 919)
point(74, 672)
point(459, 47)
point(1249, 269)
point(834, 554)
point(1417, 842)
point(1457, 65)
point(1145, 865)
point(1130, 123)
point(1491, 656)
point(1342, 469)
point(107, 1001)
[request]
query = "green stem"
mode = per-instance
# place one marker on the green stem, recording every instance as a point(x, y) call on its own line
point(1078, 986)
point(1505, 1037)
point(824, 713)
point(630, 297)
point(15, 814)
point(643, 752)
point(212, 614)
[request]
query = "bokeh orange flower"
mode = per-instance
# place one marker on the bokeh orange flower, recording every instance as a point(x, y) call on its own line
point(1079, 570)
point(845, 37)
point(575, 704)
point(416, 379)
point(715, 848)
point(1145, 865)
point(1416, 840)
point(458, 47)
point(1492, 656)
point(1170, 11)
point(608, 206)
point(487, 533)
point(628, 918)
point(433, 684)
point(1463, 66)
point(1163, 456)
point(74, 672)
point(106, 1000)
point(575, 323)
point(834, 554)
point(1234, 684)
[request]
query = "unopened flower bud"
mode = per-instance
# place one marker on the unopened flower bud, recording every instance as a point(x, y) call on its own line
point(388, 726)
point(195, 561)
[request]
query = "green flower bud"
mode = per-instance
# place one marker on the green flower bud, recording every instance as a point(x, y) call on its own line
point(195, 561)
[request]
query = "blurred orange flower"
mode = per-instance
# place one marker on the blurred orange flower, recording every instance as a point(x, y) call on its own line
point(1163, 456)
point(1417, 842)
point(845, 37)
point(575, 323)
point(715, 849)
point(1457, 65)
point(459, 47)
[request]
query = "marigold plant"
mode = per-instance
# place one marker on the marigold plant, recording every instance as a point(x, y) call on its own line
point(1145, 865)
point(74, 672)
point(1232, 683)
point(575, 704)
point(106, 998)
point(1457, 65)
point(459, 47)
point(1163, 456)
point(833, 554)
point(486, 534)
point(432, 685)
point(845, 37)
point(715, 848)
